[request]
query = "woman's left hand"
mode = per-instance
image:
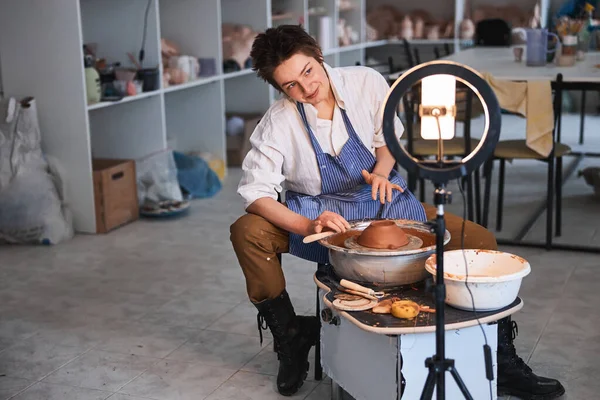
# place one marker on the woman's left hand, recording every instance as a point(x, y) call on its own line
point(380, 185)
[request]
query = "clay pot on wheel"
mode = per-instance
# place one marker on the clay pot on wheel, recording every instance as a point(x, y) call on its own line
point(383, 235)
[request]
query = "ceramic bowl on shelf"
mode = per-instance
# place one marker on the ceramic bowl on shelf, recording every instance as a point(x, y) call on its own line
point(494, 278)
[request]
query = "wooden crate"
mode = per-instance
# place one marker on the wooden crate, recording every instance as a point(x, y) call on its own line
point(238, 146)
point(115, 193)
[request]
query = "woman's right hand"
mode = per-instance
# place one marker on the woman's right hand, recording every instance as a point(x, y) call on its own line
point(328, 221)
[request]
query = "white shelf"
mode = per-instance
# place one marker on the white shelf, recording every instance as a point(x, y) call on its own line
point(192, 84)
point(192, 114)
point(126, 99)
point(432, 41)
point(236, 74)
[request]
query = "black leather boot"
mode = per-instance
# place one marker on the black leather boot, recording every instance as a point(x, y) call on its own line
point(293, 337)
point(515, 378)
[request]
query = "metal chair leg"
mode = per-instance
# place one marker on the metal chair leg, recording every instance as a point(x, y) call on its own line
point(559, 173)
point(550, 201)
point(469, 182)
point(582, 117)
point(477, 196)
point(500, 196)
point(487, 173)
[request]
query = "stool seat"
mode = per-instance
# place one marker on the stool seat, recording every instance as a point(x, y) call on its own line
point(452, 147)
point(518, 149)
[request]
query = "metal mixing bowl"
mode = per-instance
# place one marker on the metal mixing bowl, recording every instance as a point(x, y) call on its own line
point(377, 267)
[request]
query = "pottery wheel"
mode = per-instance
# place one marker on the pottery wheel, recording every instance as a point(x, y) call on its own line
point(414, 243)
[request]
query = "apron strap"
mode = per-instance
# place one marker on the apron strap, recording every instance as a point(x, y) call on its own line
point(313, 139)
point(351, 132)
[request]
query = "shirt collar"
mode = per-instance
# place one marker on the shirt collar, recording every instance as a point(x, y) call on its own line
point(337, 85)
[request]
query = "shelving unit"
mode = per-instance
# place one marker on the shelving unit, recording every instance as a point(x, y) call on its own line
point(42, 56)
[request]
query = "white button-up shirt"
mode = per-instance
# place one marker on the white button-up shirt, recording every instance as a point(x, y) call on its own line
point(282, 155)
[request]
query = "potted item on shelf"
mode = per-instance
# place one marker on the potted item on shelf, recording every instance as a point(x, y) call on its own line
point(208, 67)
point(150, 78)
point(93, 87)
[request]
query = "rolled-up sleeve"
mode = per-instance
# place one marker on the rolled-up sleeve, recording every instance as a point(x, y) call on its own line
point(380, 92)
point(262, 167)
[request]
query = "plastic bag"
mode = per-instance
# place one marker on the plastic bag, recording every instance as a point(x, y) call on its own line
point(20, 139)
point(31, 211)
point(32, 193)
point(195, 176)
point(157, 179)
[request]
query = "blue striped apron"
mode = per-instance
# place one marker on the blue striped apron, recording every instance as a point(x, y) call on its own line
point(344, 191)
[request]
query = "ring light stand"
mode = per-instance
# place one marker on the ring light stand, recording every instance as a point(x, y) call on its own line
point(440, 172)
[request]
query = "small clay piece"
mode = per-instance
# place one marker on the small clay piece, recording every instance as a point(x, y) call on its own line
point(347, 296)
point(354, 305)
point(406, 309)
point(383, 307)
point(384, 234)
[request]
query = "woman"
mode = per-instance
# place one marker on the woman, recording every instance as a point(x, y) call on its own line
point(324, 141)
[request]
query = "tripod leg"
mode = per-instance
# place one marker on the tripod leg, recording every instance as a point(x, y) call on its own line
point(460, 383)
point(429, 384)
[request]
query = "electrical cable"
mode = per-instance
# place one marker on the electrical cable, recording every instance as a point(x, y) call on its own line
point(487, 352)
point(142, 51)
point(486, 348)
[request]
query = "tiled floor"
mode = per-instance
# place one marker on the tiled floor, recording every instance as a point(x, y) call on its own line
point(157, 309)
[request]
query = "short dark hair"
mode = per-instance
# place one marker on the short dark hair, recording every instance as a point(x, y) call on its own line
point(277, 45)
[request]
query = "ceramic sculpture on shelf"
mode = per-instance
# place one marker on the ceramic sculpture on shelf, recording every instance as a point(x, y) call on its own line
point(237, 43)
point(371, 33)
point(467, 29)
point(418, 28)
point(448, 30)
point(385, 21)
point(346, 34)
point(177, 68)
point(171, 75)
point(536, 19)
point(433, 32)
point(406, 28)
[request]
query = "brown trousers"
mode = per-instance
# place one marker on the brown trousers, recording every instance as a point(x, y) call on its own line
point(257, 242)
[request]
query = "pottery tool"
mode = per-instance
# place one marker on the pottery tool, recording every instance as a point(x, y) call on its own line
point(361, 289)
point(350, 287)
point(317, 236)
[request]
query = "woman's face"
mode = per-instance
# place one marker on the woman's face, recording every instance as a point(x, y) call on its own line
point(303, 79)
